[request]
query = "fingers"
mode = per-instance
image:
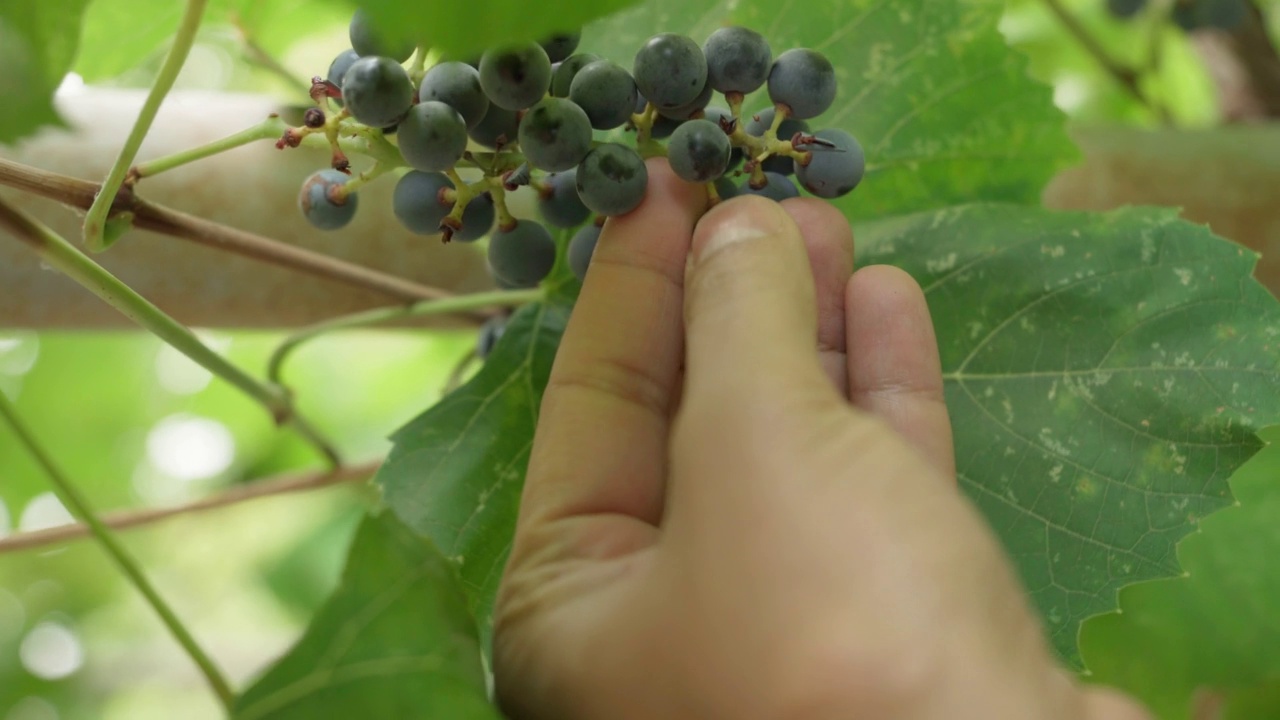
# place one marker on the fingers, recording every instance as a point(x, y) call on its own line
point(750, 311)
point(601, 440)
point(894, 370)
point(829, 242)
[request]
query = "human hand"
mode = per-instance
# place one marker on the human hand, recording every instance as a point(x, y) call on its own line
point(741, 498)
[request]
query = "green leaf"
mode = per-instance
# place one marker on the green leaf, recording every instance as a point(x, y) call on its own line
point(456, 471)
point(37, 45)
point(1105, 375)
point(1214, 630)
point(395, 641)
point(465, 29)
point(943, 108)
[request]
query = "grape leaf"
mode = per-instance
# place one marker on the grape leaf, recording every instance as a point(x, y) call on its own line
point(456, 471)
point(37, 46)
point(465, 29)
point(395, 640)
point(943, 108)
point(1216, 630)
point(1105, 375)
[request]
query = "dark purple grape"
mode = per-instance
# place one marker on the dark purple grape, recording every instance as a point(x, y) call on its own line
point(720, 116)
point(738, 60)
point(559, 204)
point(497, 125)
point(432, 136)
point(581, 247)
point(517, 76)
point(457, 85)
point(377, 91)
point(367, 40)
point(832, 172)
point(559, 47)
point(612, 179)
point(524, 255)
point(805, 81)
point(777, 187)
point(670, 70)
point(419, 204)
point(565, 72)
point(320, 203)
point(605, 92)
point(689, 109)
point(698, 151)
point(555, 135)
point(340, 65)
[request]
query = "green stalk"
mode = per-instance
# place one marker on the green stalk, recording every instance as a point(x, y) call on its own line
point(270, 129)
point(71, 497)
point(460, 303)
point(95, 222)
point(60, 254)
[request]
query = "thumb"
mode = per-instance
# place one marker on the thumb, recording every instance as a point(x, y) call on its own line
point(750, 310)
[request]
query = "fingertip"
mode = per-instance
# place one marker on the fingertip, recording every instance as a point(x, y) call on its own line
point(746, 217)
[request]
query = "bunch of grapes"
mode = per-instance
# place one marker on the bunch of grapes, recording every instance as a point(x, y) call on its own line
point(1191, 15)
point(542, 116)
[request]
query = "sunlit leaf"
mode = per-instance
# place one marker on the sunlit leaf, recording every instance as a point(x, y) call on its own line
point(37, 45)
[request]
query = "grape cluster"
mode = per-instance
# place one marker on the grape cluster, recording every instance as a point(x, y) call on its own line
point(543, 116)
point(1191, 15)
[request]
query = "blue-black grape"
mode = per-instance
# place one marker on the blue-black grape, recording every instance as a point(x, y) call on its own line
point(432, 136)
point(419, 205)
point(377, 91)
point(833, 172)
point(612, 179)
point(523, 255)
point(555, 135)
point(670, 70)
point(778, 187)
point(340, 65)
point(738, 60)
point(457, 85)
point(559, 47)
point(559, 203)
point(498, 126)
point(490, 333)
point(726, 188)
point(367, 40)
point(606, 93)
point(698, 151)
point(516, 76)
point(581, 247)
point(722, 117)
point(760, 123)
point(562, 77)
point(804, 80)
point(690, 109)
point(320, 203)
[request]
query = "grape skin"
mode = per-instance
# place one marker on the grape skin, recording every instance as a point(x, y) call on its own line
point(524, 255)
point(560, 205)
point(778, 187)
point(377, 91)
point(555, 135)
point(340, 65)
point(606, 93)
point(670, 70)
point(612, 179)
point(833, 172)
point(515, 77)
point(366, 40)
point(581, 247)
point(565, 72)
point(716, 115)
point(419, 205)
point(803, 80)
point(317, 206)
point(432, 136)
point(456, 84)
point(560, 47)
point(738, 60)
point(497, 124)
point(699, 151)
point(689, 109)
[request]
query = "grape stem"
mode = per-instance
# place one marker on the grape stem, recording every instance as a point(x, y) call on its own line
point(70, 496)
point(62, 255)
point(492, 299)
point(96, 220)
point(268, 129)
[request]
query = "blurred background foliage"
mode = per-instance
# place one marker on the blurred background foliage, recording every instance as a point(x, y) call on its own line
point(137, 425)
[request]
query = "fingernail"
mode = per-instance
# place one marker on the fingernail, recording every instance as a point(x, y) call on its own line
point(739, 224)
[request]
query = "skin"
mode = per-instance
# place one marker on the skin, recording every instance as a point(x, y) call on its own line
point(741, 501)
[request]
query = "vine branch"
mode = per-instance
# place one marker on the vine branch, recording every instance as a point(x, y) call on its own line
point(126, 519)
point(95, 222)
point(74, 501)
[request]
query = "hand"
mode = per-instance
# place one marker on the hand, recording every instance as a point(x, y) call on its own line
point(752, 513)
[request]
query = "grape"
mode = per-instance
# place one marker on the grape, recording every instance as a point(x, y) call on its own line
point(699, 151)
point(804, 81)
point(581, 247)
point(565, 72)
point(738, 60)
point(559, 47)
point(523, 255)
point(367, 40)
point(498, 124)
point(726, 189)
point(555, 134)
point(832, 172)
point(612, 179)
point(606, 92)
point(318, 202)
point(716, 115)
point(433, 136)
point(338, 68)
point(559, 203)
point(516, 76)
point(490, 334)
point(456, 84)
point(689, 109)
point(377, 91)
point(1125, 9)
point(670, 70)
point(778, 187)
point(419, 204)
point(786, 131)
